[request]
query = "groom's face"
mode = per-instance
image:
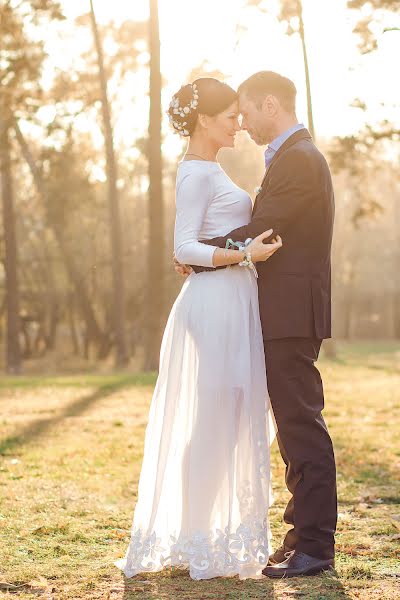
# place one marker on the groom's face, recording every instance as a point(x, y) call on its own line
point(255, 120)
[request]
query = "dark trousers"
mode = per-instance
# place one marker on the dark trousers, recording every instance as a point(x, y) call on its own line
point(297, 399)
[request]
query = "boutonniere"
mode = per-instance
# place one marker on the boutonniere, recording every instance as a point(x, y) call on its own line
point(258, 189)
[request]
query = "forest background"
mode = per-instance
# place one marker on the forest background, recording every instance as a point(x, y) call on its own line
point(88, 162)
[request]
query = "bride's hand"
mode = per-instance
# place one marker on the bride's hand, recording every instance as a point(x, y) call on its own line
point(183, 270)
point(260, 251)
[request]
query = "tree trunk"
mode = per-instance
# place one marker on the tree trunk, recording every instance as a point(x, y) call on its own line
point(396, 292)
point(348, 313)
point(307, 73)
point(13, 350)
point(155, 259)
point(396, 314)
point(72, 325)
point(113, 204)
point(27, 347)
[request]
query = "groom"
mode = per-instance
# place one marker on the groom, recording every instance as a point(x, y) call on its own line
point(295, 200)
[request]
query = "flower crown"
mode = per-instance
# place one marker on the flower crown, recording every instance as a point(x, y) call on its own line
point(183, 111)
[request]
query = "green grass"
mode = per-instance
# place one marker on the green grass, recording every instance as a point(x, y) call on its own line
point(70, 455)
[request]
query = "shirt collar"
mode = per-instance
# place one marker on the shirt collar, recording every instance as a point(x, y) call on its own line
point(281, 139)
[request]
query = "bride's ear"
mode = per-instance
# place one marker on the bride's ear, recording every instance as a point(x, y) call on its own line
point(203, 120)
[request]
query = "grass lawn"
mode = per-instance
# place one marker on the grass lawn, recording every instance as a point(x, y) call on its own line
point(70, 456)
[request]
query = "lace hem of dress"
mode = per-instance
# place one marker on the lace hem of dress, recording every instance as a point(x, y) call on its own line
point(243, 552)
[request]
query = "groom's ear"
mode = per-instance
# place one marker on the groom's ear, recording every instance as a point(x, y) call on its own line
point(270, 105)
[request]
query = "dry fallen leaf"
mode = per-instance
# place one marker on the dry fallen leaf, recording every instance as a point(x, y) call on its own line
point(119, 533)
point(40, 582)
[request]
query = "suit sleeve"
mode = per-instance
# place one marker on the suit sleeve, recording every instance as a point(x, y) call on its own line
point(293, 186)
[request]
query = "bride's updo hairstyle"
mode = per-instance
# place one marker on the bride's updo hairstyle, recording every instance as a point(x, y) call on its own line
point(206, 96)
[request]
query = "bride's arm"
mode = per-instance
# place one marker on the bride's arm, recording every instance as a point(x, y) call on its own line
point(193, 196)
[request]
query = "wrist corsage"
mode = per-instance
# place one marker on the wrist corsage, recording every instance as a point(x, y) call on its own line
point(247, 262)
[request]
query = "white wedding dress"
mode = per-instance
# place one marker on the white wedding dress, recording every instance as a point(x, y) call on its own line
point(204, 488)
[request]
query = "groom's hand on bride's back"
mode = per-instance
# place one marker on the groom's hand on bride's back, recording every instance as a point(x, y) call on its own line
point(183, 270)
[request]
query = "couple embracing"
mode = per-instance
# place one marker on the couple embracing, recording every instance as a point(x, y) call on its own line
point(238, 352)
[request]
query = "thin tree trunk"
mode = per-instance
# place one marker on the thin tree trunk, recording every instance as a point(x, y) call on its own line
point(329, 346)
point(396, 292)
point(396, 314)
point(72, 325)
point(13, 350)
point(27, 348)
point(155, 270)
point(113, 204)
point(348, 313)
point(307, 73)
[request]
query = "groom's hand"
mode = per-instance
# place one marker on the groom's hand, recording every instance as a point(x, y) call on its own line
point(183, 270)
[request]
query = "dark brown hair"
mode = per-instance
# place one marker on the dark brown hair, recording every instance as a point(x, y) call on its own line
point(214, 98)
point(263, 83)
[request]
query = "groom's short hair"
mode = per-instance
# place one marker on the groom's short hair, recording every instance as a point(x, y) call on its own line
point(258, 86)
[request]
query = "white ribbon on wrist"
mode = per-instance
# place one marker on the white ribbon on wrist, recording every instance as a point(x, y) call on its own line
point(247, 262)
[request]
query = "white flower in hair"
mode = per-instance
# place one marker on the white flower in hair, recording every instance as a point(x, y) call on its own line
point(183, 111)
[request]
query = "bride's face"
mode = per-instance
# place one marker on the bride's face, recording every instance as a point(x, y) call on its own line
point(222, 128)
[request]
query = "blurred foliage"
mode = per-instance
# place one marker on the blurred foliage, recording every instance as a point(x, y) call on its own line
point(21, 54)
point(359, 154)
point(290, 12)
point(376, 18)
point(360, 151)
point(63, 203)
point(205, 69)
point(356, 151)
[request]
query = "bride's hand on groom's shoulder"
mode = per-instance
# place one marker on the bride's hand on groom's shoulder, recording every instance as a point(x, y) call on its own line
point(183, 270)
point(262, 252)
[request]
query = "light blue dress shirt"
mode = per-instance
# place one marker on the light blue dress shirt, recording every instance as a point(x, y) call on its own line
point(279, 141)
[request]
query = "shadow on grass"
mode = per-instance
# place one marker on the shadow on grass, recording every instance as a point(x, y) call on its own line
point(38, 381)
point(41, 426)
point(177, 584)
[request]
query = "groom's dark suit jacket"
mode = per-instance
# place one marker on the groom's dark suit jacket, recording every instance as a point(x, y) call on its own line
point(296, 200)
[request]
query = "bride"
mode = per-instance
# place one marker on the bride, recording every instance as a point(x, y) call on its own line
point(204, 488)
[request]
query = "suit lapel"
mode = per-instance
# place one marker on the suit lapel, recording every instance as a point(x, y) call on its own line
point(267, 171)
point(302, 134)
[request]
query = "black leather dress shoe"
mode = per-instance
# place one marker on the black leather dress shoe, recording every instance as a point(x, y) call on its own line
point(298, 564)
point(280, 555)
